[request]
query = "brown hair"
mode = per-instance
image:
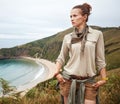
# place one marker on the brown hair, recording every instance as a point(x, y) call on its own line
point(85, 8)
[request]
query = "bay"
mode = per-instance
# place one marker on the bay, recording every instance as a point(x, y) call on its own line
point(19, 72)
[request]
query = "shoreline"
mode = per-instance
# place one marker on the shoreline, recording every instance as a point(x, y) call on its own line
point(48, 73)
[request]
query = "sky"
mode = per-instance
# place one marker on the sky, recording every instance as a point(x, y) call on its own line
point(22, 21)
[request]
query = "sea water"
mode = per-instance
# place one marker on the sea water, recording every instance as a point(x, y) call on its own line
point(19, 72)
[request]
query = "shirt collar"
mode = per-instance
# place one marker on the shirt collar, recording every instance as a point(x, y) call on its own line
point(90, 30)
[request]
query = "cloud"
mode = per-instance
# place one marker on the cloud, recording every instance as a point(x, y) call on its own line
point(42, 18)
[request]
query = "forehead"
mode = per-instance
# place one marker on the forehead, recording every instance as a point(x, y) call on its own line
point(76, 11)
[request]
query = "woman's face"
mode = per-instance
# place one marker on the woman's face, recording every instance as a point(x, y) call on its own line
point(77, 19)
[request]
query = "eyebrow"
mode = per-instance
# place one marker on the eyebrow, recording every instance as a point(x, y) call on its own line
point(73, 15)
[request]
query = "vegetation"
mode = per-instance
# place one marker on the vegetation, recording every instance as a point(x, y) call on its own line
point(5, 88)
point(110, 92)
point(43, 93)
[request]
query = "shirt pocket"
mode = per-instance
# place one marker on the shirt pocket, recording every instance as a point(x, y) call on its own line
point(91, 42)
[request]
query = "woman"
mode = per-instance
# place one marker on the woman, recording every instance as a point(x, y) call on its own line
point(85, 47)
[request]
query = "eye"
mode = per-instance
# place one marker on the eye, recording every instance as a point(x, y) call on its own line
point(73, 15)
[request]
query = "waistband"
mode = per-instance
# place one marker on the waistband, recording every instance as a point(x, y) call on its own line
point(70, 77)
point(79, 77)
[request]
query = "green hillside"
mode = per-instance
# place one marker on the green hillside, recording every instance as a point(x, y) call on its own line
point(49, 47)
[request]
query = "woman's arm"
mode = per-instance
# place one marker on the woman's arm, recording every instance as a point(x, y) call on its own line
point(103, 79)
point(58, 69)
point(60, 61)
point(57, 74)
point(100, 61)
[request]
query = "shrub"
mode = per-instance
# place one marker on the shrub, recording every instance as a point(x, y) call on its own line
point(110, 92)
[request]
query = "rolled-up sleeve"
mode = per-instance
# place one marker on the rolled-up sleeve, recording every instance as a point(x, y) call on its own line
point(100, 53)
point(63, 53)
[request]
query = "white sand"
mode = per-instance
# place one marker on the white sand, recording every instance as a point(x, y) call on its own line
point(48, 74)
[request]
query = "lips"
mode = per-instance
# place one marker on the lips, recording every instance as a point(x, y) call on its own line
point(73, 22)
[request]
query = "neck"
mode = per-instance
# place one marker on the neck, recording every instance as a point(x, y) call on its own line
point(81, 27)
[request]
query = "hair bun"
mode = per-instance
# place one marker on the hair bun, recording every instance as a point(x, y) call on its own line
point(86, 5)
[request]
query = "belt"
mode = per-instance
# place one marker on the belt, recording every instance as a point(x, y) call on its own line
point(79, 77)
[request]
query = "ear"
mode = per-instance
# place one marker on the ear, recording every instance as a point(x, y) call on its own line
point(85, 17)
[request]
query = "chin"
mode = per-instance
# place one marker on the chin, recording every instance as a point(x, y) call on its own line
point(73, 25)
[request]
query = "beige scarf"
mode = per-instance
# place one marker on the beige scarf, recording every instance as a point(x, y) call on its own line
point(80, 37)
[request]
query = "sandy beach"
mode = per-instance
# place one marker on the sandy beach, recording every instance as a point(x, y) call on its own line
point(49, 71)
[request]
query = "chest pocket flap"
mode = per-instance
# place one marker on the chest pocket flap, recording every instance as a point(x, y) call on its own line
point(92, 38)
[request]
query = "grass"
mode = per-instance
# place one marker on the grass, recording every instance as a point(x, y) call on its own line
point(110, 92)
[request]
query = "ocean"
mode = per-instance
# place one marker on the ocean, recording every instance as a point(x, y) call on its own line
point(19, 72)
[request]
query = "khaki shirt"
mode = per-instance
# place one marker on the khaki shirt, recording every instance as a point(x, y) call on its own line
point(86, 63)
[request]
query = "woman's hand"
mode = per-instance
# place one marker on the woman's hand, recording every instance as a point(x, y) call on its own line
point(60, 78)
point(103, 80)
point(99, 83)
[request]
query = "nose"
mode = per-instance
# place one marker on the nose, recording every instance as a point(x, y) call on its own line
point(72, 18)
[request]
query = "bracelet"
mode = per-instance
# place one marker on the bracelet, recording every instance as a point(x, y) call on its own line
point(56, 74)
point(105, 79)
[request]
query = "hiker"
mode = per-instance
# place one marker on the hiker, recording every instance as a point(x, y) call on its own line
point(85, 47)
